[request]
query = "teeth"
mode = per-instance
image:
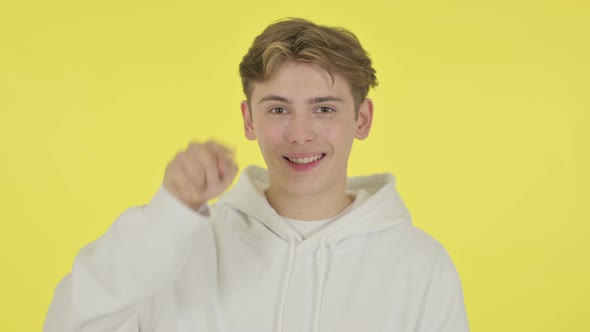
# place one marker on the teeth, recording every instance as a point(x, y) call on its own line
point(304, 160)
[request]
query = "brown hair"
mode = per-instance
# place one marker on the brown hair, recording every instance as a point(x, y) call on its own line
point(335, 49)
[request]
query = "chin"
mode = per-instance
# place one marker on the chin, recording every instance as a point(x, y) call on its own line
point(297, 184)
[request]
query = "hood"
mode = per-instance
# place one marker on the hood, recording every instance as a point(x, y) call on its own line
point(383, 208)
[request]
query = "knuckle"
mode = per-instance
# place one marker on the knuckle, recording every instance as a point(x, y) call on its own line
point(193, 147)
point(205, 159)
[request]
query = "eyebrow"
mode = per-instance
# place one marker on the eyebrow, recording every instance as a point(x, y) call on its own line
point(311, 101)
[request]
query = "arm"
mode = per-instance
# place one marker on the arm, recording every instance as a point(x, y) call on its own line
point(443, 309)
point(142, 252)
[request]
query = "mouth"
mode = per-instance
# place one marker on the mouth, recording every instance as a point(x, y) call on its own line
point(305, 160)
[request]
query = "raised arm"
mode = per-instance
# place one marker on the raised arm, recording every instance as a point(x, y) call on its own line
point(144, 249)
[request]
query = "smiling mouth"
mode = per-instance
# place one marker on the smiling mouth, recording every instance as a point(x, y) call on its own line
point(306, 160)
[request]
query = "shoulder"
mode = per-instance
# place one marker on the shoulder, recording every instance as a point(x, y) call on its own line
point(415, 239)
point(414, 244)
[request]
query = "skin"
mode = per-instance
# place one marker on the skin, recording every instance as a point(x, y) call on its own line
point(286, 122)
point(201, 172)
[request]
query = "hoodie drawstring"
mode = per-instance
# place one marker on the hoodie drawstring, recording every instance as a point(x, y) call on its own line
point(286, 281)
point(320, 282)
point(322, 267)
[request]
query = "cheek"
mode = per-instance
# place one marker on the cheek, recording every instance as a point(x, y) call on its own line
point(269, 133)
point(336, 132)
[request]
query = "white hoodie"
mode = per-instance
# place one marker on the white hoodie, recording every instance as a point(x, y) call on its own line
point(163, 267)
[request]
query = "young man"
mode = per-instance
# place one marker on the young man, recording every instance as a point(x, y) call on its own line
point(296, 248)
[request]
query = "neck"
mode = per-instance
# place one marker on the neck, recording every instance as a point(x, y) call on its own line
point(308, 207)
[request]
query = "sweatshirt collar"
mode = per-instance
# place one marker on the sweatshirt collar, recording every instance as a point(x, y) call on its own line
point(383, 209)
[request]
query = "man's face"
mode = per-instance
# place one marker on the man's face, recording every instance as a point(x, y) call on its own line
point(305, 127)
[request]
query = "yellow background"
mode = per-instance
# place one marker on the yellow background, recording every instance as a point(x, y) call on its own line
point(482, 114)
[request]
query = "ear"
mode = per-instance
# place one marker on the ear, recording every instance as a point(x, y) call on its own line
point(248, 125)
point(364, 119)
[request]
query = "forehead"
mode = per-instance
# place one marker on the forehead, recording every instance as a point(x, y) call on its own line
point(301, 81)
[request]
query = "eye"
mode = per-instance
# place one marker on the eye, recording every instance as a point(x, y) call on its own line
point(278, 110)
point(325, 109)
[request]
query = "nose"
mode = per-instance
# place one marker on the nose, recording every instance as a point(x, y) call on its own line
point(300, 129)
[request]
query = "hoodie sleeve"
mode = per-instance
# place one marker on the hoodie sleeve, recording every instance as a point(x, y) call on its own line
point(443, 308)
point(113, 277)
